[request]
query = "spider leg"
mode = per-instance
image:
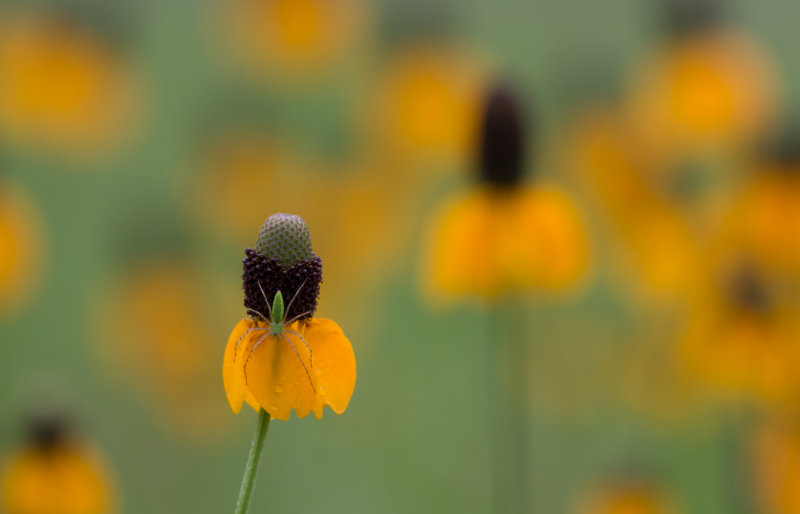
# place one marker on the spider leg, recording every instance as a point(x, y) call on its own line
point(295, 296)
point(300, 359)
point(250, 353)
point(249, 310)
point(269, 307)
point(310, 351)
point(295, 318)
point(236, 344)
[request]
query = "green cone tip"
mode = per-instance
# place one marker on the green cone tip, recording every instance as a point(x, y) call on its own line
point(285, 237)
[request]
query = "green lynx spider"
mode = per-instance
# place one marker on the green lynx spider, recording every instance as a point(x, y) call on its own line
point(277, 328)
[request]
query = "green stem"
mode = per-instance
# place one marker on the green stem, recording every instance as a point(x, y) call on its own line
point(736, 434)
point(507, 359)
point(251, 470)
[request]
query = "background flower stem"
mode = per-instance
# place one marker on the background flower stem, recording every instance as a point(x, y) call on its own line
point(736, 436)
point(508, 403)
point(251, 470)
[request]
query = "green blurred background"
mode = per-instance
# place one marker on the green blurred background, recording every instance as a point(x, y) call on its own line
point(131, 283)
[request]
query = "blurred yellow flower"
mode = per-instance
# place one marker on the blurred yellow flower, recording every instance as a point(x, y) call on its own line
point(634, 496)
point(711, 90)
point(56, 475)
point(62, 87)
point(154, 328)
point(295, 38)
point(764, 218)
point(20, 246)
point(743, 338)
point(427, 106)
point(279, 359)
point(502, 235)
point(658, 247)
point(492, 240)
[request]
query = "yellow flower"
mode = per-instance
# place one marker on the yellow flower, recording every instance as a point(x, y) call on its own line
point(61, 85)
point(279, 359)
point(153, 330)
point(743, 338)
point(295, 38)
point(710, 90)
point(494, 240)
point(632, 496)
point(657, 246)
point(502, 236)
point(55, 475)
point(427, 105)
point(763, 220)
point(20, 246)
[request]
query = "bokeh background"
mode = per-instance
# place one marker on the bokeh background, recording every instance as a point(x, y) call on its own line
point(142, 144)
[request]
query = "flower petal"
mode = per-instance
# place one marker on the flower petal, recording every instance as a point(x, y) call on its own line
point(283, 374)
point(458, 256)
point(233, 370)
point(544, 243)
point(279, 373)
point(490, 241)
point(334, 364)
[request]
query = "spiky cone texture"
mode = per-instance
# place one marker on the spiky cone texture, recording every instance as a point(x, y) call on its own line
point(308, 362)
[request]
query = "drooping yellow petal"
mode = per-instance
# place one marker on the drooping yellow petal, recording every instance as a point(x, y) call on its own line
point(458, 256)
point(283, 375)
point(233, 365)
point(490, 241)
point(334, 364)
point(66, 480)
point(547, 240)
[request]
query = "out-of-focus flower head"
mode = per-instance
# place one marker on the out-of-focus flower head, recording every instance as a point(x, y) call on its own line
point(65, 88)
point(54, 472)
point(295, 39)
point(281, 358)
point(709, 88)
point(154, 329)
point(658, 252)
point(631, 495)
point(21, 252)
point(742, 338)
point(427, 106)
point(502, 235)
point(764, 218)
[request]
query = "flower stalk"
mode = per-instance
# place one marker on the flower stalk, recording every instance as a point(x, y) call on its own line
point(253, 459)
point(507, 357)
